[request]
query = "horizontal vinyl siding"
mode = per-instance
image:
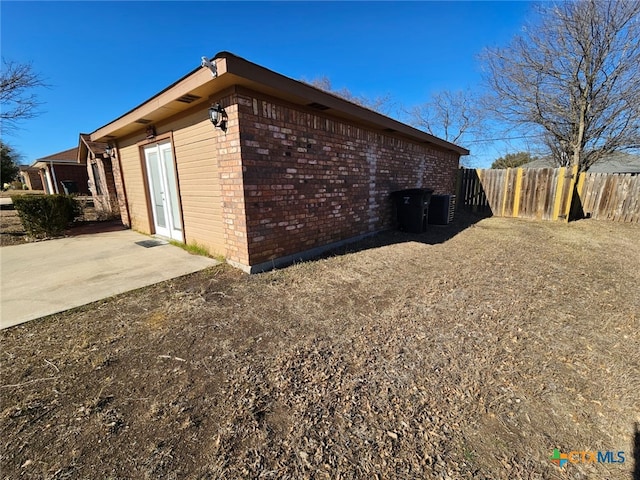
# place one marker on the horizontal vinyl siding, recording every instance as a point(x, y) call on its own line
point(134, 182)
point(195, 148)
point(194, 143)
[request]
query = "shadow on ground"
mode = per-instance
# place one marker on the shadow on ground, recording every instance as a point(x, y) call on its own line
point(90, 227)
point(434, 234)
point(636, 451)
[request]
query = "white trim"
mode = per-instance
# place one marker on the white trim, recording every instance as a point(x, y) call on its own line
point(55, 180)
point(173, 227)
point(47, 178)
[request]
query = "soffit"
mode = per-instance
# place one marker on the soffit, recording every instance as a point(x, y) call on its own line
point(200, 87)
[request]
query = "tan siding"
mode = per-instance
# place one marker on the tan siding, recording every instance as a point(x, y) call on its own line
point(201, 208)
point(195, 146)
point(134, 182)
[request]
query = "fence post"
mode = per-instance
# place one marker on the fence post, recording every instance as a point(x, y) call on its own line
point(557, 201)
point(571, 194)
point(477, 191)
point(506, 190)
point(580, 186)
point(517, 192)
point(459, 194)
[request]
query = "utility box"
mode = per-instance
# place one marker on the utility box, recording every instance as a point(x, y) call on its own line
point(412, 207)
point(441, 209)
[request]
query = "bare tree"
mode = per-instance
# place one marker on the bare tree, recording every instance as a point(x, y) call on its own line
point(17, 100)
point(573, 76)
point(381, 104)
point(452, 116)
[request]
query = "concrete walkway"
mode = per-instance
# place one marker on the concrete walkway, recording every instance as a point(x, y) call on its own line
point(43, 278)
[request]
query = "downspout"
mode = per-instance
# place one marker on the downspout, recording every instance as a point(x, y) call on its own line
point(55, 180)
point(47, 180)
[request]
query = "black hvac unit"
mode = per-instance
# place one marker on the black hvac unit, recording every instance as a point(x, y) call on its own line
point(441, 209)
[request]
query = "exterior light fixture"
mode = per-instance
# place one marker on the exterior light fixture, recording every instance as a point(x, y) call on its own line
point(109, 150)
point(218, 117)
point(151, 132)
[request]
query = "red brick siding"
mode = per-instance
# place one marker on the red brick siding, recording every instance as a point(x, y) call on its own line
point(107, 170)
point(121, 197)
point(310, 179)
point(107, 202)
point(73, 173)
point(230, 169)
point(32, 179)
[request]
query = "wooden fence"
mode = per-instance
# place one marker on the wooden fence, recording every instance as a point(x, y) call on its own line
point(550, 193)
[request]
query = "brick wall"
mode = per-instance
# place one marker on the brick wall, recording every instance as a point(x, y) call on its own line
point(32, 179)
point(73, 173)
point(121, 196)
point(310, 179)
point(107, 170)
point(230, 169)
point(106, 203)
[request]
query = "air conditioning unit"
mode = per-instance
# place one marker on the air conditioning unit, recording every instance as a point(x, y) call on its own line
point(441, 209)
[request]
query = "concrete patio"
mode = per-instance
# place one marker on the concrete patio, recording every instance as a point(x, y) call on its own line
point(43, 278)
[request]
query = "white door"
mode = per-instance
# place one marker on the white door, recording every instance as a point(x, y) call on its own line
point(163, 190)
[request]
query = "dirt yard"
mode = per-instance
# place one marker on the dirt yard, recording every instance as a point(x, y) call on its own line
point(409, 357)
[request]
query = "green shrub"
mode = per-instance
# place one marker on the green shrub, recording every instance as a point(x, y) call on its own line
point(46, 215)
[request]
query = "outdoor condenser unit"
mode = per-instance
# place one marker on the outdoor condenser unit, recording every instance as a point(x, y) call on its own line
point(441, 209)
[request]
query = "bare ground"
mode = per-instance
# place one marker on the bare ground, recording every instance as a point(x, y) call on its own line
point(410, 357)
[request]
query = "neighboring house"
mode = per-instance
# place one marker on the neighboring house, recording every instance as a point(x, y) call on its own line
point(30, 177)
point(97, 158)
point(618, 162)
point(61, 173)
point(293, 171)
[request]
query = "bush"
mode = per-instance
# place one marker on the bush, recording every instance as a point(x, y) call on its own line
point(46, 215)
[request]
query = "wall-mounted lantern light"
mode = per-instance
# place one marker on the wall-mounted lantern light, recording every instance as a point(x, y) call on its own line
point(151, 132)
point(218, 117)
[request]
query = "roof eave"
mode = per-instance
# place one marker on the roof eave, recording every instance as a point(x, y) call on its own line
point(233, 70)
point(310, 95)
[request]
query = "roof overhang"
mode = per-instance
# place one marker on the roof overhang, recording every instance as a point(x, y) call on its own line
point(199, 86)
point(45, 163)
point(69, 156)
point(86, 147)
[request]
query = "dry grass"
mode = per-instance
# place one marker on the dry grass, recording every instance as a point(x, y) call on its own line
point(11, 229)
point(411, 358)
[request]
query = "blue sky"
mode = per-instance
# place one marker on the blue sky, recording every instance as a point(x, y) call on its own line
point(103, 58)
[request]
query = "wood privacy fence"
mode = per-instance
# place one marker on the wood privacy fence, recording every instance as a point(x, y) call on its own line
point(550, 193)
